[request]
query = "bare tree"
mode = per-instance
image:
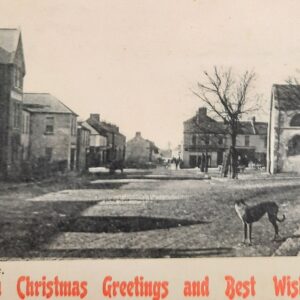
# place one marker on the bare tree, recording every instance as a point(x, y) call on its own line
point(209, 136)
point(228, 97)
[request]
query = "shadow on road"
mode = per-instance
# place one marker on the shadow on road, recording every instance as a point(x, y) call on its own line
point(114, 224)
point(25, 226)
point(139, 253)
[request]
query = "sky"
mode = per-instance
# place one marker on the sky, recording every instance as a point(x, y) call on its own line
point(135, 62)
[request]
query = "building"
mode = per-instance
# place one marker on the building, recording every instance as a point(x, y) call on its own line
point(53, 130)
point(12, 72)
point(203, 135)
point(284, 129)
point(83, 147)
point(206, 136)
point(251, 142)
point(140, 151)
point(98, 146)
point(116, 141)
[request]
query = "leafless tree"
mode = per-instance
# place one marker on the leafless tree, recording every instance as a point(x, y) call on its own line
point(229, 97)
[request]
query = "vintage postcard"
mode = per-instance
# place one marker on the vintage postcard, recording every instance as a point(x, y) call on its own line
point(149, 149)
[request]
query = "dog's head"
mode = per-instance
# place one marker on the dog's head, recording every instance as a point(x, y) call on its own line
point(240, 203)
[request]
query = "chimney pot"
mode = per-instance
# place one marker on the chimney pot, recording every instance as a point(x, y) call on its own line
point(138, 134)
point(202, 111)
point(95, 117)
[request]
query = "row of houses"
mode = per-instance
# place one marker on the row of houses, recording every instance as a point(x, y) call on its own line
point(37, 129)
point(38, 132)
point(274, 145)
point(206, 136)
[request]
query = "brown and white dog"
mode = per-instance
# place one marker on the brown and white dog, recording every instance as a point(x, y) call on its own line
point(251, 214)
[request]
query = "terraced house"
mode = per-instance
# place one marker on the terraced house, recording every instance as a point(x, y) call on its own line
point(116, 141)
point(140, 151)
point(53, 130)
point(12, 72)
point(206, 136)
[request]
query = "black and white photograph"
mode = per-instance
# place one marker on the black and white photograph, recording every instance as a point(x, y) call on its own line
point(149, 129)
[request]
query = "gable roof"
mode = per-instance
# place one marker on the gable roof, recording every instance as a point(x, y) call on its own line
point(9, 40)
point(246, 127)
point(286, 96)
point(261, 127)
point(104, 127)
point(44, 103)
point(204, 124)
point(92, 129)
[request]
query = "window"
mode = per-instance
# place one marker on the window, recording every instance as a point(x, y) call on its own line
point(49, 125)
point(247, 140)
point(266, 141)
point(220, 141)
point(48, 153)
point(26, 123)
point(295, 121)
point(73, 125)
point(207, 140)
point(18, 78)
point(294, 146)
point(16, 114)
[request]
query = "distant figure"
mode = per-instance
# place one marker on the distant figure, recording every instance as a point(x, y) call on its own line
point(203, 162)
point(177, 163)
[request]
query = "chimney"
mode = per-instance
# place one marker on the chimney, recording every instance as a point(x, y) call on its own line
point(253, 120)
point(138, 134)
point(202, 112)
point(95, 117)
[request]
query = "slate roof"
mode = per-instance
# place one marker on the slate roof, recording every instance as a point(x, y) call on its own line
point(44, 103)
point(9, 39)
point(91, 128)
point(261, 128)
point(153, 146)
point(205, 124)
point(104, 127)
point(287, 96)
point(83, 126)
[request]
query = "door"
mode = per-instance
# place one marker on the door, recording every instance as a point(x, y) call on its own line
point(72, 160)
point(193, 161)
point(220, 157)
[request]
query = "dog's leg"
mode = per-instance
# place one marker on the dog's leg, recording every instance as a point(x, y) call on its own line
point(249, 229)
point(272, 219)
point(245, 233)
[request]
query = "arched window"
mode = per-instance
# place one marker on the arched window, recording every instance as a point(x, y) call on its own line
point(294, 146)
point(295, 121)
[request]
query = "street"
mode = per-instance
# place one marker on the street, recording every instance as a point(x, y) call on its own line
point(147, 217)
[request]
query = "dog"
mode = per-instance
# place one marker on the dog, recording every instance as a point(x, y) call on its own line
point(251, 214)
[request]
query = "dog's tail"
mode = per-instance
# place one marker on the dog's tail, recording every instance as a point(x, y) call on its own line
point(282, 219)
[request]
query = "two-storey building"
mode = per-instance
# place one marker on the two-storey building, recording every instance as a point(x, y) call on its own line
point(98, 146)
point(116, 141)
point(53, 130)
point(12, 72)
point(140, 151)
point(204, 136)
